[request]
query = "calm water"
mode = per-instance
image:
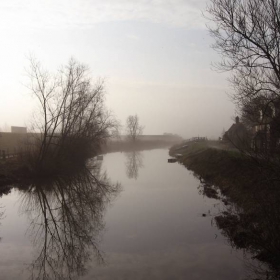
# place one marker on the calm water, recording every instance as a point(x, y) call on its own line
point(152, 229)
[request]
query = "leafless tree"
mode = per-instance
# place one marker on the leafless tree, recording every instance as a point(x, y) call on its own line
point(73, 121)
point(133, 127)
point(247, 35)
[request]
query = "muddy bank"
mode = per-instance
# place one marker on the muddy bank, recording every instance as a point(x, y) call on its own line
point(251, 194)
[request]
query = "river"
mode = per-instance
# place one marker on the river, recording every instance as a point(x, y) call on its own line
point(156, 226)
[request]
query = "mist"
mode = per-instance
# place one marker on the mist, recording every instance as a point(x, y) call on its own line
point(154, 63)
point(139, 139)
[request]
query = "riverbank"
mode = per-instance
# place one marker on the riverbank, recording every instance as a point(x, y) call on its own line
point(225, 168)
point(251, 194)
point(15, 170)
point(12, 172)
point(128, 146)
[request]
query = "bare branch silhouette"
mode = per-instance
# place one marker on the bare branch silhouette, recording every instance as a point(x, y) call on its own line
point(133, 127)
point(66, 222)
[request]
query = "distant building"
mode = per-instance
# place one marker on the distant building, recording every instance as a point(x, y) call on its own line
point(18, 129)
point(238, 135)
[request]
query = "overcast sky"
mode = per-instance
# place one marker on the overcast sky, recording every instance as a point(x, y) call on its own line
point(154, 55)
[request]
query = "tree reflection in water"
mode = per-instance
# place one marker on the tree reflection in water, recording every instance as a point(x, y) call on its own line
point(134, 161)
point(2, 212)
point(66, 219)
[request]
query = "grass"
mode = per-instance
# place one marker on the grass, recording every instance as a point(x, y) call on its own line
point(191, 148)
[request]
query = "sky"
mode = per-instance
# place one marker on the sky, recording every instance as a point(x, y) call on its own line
point(154, 55)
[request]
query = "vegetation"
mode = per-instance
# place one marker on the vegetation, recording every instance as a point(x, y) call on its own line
point(247, 36)
point(133, 128)
point(71, 123)
point(193, 147)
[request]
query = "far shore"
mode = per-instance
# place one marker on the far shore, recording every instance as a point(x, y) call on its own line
point(13, 170)
point(138, 145)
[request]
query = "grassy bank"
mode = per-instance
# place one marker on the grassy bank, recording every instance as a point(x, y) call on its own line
point(224, 168)
point(250, 190)
point(229, 170)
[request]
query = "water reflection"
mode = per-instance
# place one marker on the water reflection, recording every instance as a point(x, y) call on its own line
point(4, 191)
point(251, 222)
point(257, 233)
point(66, 217)
point(134, 161)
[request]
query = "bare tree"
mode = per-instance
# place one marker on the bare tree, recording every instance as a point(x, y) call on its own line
point(73, 121)
point(247, 35)
point(133, 127)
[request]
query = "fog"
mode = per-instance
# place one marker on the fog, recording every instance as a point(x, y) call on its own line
point(155, 58)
